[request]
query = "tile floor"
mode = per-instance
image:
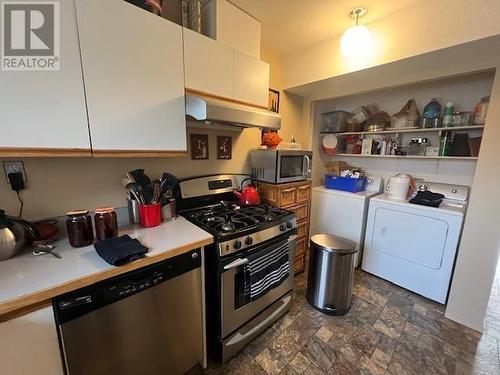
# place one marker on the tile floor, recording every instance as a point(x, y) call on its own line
point(388, 330)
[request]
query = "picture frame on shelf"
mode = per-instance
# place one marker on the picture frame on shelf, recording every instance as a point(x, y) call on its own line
point(274, 101)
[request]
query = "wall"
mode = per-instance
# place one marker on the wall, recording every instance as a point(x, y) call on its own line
point(465, 92)
point(290, 105)
point(56, 186)
point(404, 33)
point(479, 248)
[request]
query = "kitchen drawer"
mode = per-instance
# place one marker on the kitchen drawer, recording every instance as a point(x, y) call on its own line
point(301, 247)
point(268, 194)
point(302, 229)
point(301, 212)
point(287, 196)
point(299, 264)
point(303, 193)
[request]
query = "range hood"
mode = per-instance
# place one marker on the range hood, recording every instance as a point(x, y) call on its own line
point(202, 108)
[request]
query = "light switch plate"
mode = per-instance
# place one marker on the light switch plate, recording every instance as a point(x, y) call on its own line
point(13, 167)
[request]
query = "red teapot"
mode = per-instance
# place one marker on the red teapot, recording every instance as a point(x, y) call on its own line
point(248, 195)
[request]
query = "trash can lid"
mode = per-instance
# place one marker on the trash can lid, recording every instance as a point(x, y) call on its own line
point(335, 244)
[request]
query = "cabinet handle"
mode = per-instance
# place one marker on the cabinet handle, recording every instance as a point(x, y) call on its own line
point(289, 190)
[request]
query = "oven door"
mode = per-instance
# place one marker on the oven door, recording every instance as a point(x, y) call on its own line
point(293, 166)
point(235, 311)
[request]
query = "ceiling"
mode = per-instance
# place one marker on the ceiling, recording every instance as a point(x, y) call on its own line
point(289, 25)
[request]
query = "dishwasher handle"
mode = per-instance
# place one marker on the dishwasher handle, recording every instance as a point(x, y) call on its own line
point(74, 302)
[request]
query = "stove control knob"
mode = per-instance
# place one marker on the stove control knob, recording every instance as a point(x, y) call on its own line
point(237, 244)
point(283, 227)
point(248, 241)
point(289, 225)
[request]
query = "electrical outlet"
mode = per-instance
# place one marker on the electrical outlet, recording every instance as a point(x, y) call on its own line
point(13, 167)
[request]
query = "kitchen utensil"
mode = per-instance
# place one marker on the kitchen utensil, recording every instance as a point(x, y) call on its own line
point(46, 249)
point(169, 210)
point(156, 193)
point(248, 195)
point(329, 144)
point(150, 215)
point(136, 190)
point(133, 211)
point(374, 127)
point(398, 186)
point(12, 234)
point(140, 177)
point(48, 232)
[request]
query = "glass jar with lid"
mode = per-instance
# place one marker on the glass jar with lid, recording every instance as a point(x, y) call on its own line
point(79, 228)
point(106, 225)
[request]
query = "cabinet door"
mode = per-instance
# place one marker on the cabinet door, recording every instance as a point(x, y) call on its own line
point(133, 73)
point(30, 345)
point(43, 112)
point(208, 65)
point(251, 80)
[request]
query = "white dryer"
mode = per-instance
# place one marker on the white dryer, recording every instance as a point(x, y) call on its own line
point(414, 246)
point(343, 213)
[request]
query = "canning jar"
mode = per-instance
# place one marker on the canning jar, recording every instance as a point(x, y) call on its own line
point(481, 111)
point(106, 225)
point(79, 227)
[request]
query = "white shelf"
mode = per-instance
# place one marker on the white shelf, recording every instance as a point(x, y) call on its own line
point(409, 157)
point(419, 130)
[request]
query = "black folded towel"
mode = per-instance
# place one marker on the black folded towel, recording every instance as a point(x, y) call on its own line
point(120, 250)
point(427, 198)
point(266, 270)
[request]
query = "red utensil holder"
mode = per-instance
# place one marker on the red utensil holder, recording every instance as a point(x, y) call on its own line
point(150, 215)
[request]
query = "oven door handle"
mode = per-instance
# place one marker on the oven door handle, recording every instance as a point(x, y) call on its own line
point(236, 263)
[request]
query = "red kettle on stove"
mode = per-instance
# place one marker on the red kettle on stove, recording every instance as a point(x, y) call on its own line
point(248, 195)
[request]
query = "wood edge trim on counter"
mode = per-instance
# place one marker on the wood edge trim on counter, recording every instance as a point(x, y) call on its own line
point(16, 152)
point(30, 302)
point(133, 153)
point(214, 96)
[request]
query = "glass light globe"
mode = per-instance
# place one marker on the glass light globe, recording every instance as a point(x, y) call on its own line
point(355, 41)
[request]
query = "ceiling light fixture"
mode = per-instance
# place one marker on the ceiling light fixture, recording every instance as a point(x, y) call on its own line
point(356, 40)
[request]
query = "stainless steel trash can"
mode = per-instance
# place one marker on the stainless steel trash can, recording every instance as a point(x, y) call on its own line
point(331, 272)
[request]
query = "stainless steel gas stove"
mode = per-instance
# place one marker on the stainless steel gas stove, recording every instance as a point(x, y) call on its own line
point(249, 272)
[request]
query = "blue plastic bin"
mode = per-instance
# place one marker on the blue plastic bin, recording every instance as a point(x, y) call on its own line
point(353, 185)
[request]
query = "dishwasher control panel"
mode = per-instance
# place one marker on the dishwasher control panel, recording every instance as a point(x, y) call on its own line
point(130, 287)
point(71, 305)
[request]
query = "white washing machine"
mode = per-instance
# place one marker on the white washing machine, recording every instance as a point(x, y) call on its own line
point(343, 213)
point(414, 246)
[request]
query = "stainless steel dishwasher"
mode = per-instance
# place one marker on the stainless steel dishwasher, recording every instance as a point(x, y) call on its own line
point(148, 321)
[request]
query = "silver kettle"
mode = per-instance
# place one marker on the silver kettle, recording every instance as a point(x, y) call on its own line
point(13, 234)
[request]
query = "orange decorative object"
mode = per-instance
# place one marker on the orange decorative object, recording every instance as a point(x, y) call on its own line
point(271, 140)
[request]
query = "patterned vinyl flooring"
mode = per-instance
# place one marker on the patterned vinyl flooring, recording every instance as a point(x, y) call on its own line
point(388, 330)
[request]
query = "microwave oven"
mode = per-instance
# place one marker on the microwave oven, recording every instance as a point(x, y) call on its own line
point(280, 166)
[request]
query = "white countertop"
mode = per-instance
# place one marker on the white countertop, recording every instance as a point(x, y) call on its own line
point(26, 274)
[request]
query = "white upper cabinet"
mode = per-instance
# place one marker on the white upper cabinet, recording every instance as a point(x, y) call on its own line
point(208, 65)
point(43, 112)
point(228, 24)
point(134, 80)
point(251, 80)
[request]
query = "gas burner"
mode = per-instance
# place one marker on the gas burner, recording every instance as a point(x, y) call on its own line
point(227, 217)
